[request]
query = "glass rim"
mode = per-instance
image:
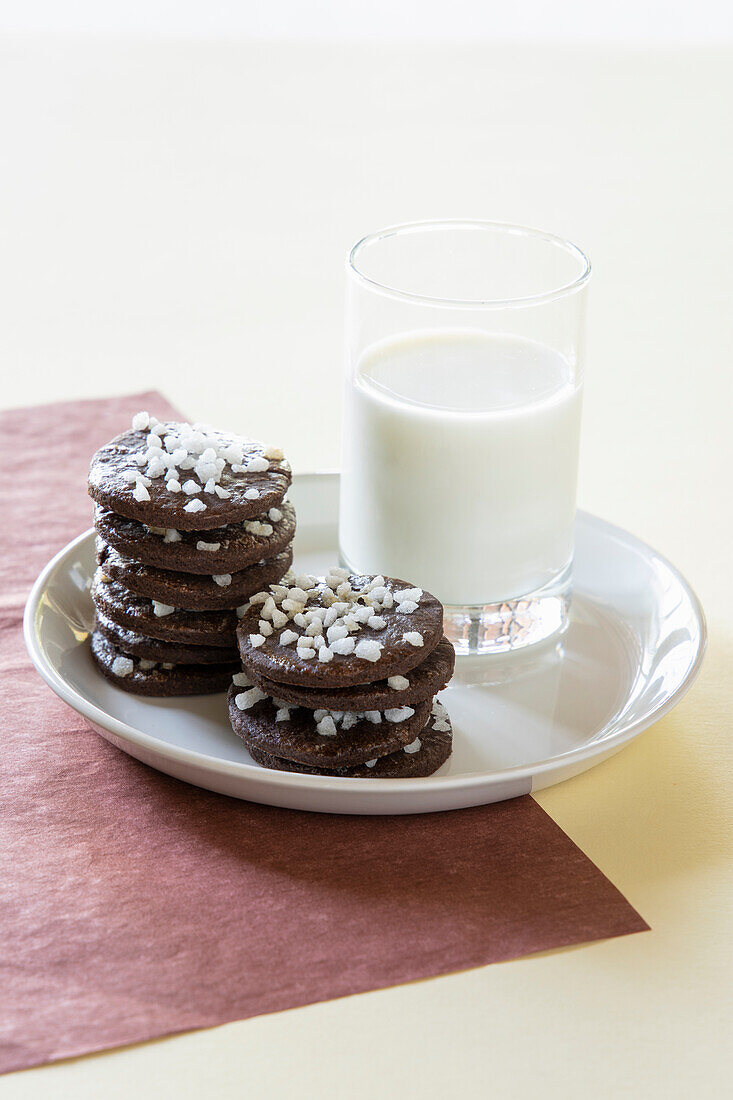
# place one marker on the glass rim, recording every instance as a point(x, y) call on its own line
point(471, 303)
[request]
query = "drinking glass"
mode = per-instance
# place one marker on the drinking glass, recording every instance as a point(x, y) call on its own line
point(464, 382)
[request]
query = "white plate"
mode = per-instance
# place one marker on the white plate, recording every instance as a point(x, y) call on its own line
point(522, 722)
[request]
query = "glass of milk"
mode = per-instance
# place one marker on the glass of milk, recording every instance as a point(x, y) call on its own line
point(464, 385)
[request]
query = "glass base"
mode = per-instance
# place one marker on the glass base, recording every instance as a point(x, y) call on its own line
point(514, 624)
point(478, 629)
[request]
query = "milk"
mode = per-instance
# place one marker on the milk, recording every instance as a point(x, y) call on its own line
point(460, 463)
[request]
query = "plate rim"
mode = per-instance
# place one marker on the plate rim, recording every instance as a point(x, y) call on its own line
point(286, 780)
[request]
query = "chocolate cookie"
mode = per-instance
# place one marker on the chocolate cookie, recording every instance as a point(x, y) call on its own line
point(338, 631)
point(423, 757)
point(422, 682)
point(191, 478)
point(143, 677)
point(192, 591)
point(152, 649)
point(320, 739)
point(221, 550)
point(138, 613)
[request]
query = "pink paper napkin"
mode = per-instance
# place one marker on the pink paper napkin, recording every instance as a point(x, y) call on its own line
point(134, 906)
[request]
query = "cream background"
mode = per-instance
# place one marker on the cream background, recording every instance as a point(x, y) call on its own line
point(176, 214)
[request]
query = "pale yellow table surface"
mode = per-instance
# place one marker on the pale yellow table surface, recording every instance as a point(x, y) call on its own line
point(176, 215)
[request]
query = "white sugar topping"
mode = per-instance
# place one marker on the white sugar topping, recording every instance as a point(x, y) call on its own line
point(398, 683)
point(415, 746)
point(341, 574)
point(207, 452)
point(172, 535)
point(412, 594)
point(222, 579)
point(369, 650)
point(247, 699)
point(441, 720)
point(156, 467)
point(232, 453)
point(399, 714)
point(195, 505)
point(212, 546)
point(161, 609)
point(240, 679)
point(122, 666)
point(326, 727)
point(255, 527)
point(268, 607)
point(328, 722)
point(257, 465)
point(331, 611)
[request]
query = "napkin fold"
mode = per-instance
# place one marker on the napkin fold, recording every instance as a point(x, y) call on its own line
point(134, 906)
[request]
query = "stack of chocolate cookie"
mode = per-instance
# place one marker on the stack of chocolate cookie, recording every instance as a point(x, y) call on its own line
point(190, 523)
point(340, 675)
